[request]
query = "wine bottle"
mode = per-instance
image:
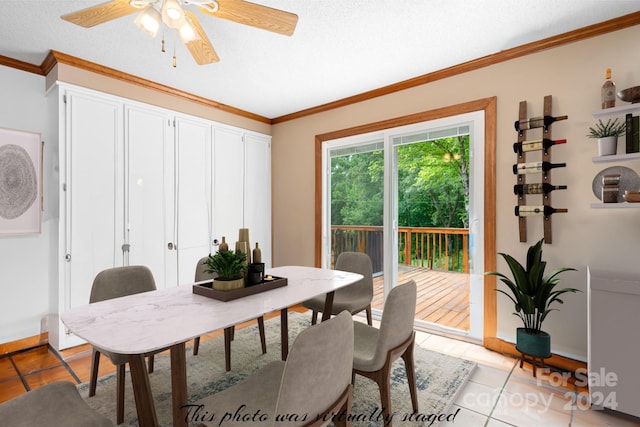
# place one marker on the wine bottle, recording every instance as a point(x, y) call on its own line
point(536, 144)
point(608, 91)
point(534, 167)
point(537, 210)
point(537, 188)
point(537, 122)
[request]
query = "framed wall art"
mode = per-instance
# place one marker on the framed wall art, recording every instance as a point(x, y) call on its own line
point(20, 182)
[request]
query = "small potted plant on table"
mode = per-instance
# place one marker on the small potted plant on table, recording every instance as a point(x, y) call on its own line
point(230, 268)
point(607, 135)
point(532, 293)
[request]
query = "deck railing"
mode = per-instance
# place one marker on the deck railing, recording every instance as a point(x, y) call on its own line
point(445, 249)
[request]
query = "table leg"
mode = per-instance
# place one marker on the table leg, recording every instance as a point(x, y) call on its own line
point(178, 383)
point(284, 333)
point(228, 336)
point(328, 306)
point(142, 391)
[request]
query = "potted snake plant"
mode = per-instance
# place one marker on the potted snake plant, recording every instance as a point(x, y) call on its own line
point(532, 294)
point(230, 268)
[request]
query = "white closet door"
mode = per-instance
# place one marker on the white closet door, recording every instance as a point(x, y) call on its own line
point(228, 179)
point(93, 177)
point(149, 197)
point(193, 181)
point(257, 198)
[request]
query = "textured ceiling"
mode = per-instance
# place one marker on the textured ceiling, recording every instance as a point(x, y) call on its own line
point(340, 48)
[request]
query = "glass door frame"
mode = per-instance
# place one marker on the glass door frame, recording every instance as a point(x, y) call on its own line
point(489, 106)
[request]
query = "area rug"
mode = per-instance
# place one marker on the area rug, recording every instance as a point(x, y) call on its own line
point(439, 378)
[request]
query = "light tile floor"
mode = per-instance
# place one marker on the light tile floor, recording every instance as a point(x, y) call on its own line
point(500, 393)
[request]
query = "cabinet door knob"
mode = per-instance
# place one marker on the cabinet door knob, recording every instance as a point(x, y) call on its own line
point(171, 246)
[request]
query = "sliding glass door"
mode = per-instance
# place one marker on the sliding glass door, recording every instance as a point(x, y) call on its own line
point(412, 198)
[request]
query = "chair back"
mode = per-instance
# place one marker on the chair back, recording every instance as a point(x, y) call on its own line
point(201, 270)
point(397, 321)
point(317, 370)
point(356, 262)
point(121, 281)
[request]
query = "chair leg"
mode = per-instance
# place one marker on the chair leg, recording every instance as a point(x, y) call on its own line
point(314, 317)
point(151, 363)
point(263, 339)
point(196, 346)
point(228, 332)
point(95, 363)
point(383, 378)
point(369, 317)
point(120, 371)
point(409, 366)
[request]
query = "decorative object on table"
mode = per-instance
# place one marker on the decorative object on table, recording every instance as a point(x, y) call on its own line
point(243, 243)
point(542, 166)
point(607, 135)
point(224, 246)
point(269, 283)
point(629, 181)
point(20, 182)
point(532, 294)
point(440, 378)
point(608, 91)
point(230, 267)
point(631, 94)
point(256, 273)
point(610, 188)
point(257, 254)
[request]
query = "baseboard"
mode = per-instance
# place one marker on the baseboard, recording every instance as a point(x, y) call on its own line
point(557, 361)
point(24, 343)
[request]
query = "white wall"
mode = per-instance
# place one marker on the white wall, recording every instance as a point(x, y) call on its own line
point(28, 268)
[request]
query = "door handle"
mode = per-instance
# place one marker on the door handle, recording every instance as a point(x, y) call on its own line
point(171, 246)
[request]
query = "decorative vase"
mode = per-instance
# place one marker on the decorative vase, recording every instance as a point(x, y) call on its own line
point(257, 254)
point(228, 285)
point(223, 245)
point(538, 345)
point(243, 236)
point(608, 145)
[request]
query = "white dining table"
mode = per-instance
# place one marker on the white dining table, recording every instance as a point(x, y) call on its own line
point(168, 318)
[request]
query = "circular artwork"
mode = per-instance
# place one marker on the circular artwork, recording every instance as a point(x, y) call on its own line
point(18, 181)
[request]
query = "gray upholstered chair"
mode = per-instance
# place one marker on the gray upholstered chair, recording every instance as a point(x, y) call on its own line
point(315, 380)
point(55, 404)
point(376, 349)
point(353, 298)
point(201, 274)
point(113, 283)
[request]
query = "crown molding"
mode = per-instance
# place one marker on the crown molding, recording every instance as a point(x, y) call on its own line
point(21, 65)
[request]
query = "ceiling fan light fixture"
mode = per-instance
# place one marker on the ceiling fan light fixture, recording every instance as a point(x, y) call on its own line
point(149, 21)
point(187, 33)
point(172, 14)
point(139, 4)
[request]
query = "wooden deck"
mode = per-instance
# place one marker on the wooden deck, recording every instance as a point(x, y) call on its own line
point(443, 297)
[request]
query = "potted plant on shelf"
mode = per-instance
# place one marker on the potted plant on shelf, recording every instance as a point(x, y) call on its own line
point(607, 135)
point(230, 268)
point(532, 293)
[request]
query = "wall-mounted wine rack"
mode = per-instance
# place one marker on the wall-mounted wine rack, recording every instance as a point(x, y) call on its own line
point(546, 175)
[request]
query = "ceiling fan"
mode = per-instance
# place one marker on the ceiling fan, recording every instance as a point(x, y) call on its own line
point(152, 13)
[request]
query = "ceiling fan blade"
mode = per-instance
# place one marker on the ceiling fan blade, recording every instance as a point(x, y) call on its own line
point(202, 50)
point(255, 15)
point(101, 13)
